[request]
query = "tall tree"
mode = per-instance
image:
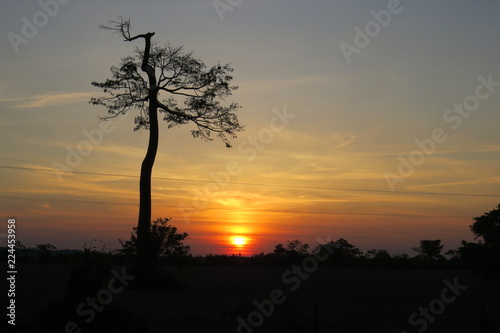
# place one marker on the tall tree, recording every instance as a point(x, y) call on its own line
point(166, 70)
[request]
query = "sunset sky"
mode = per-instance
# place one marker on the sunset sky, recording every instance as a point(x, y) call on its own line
point(351, 108)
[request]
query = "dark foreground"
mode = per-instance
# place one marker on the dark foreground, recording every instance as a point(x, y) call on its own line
point(250, 299)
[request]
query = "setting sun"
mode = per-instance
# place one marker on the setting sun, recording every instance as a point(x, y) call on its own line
point(239, 240)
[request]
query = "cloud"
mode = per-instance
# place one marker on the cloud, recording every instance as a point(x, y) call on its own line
point(313, 142)
point(45, 100)
point(131, 153)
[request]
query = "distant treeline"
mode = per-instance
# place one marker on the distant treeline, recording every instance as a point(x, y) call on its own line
point(339, 253)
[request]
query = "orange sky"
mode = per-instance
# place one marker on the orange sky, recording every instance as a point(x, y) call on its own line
point(97, 206)
point(322, 133)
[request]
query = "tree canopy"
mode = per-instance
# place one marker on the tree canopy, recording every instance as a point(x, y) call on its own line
point(430, 249)
point(184, 89)
point(165, 241)
point(484, 256)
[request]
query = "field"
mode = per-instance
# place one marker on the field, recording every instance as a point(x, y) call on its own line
point(341, 300)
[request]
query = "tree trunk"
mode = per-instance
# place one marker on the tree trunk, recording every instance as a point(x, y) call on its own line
point(144, 256)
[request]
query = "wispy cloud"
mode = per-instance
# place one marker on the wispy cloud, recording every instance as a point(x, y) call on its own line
point(44, 100)
point(328, 142)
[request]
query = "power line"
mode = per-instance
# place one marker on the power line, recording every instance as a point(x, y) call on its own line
point(366, 214)
point(66, 200)
point(264, 185)
point(94, 166)
point(240, 210)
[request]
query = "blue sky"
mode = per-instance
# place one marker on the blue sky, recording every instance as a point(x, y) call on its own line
point(324, 174)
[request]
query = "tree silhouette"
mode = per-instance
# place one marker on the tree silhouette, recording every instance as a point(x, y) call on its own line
point(164, 239)
point(293, 252)
point(484, 256)
point(340, 253)
point(167, 70)
point(429, 249)
point(295, 247)
point(45, 251)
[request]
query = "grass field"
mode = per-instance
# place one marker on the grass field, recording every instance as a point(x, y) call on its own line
point(346, 300)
